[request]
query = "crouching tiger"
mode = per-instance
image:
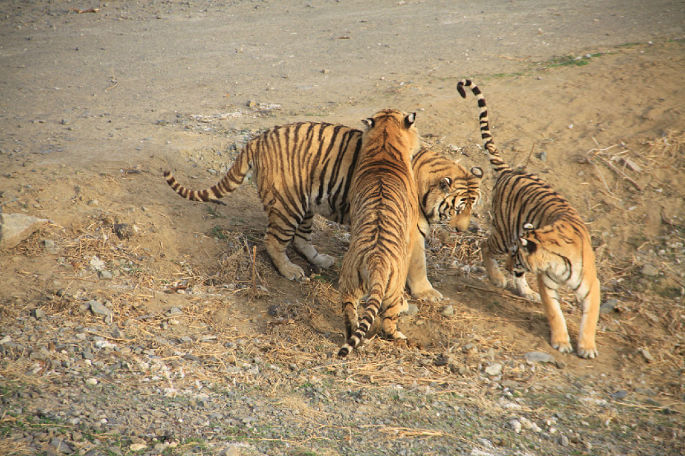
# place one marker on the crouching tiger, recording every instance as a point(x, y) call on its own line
point(303, 169)
point(540, 232)
point(383, 212)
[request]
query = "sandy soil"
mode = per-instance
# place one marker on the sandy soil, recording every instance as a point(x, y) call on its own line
point(95, 104)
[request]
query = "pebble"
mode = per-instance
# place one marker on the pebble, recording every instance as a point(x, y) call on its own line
point(98, 308)
point(123, 230)
point(105, 275)
point(448, 310)
point(649, 270)
point(608, 306)
point(38, 314)
point(494, 369)
point(539, 357)
point(515, 425)
point(412, 309)
point(646, 355)
point(92, 381)
point(50, 246)
point(137, 447)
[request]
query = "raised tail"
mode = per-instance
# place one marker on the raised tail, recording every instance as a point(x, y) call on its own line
point(233, 178)
point(488, 142)
point(373, 307)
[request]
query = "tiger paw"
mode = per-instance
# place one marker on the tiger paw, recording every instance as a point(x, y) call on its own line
point(430, 295)
point(563, 347)
point(323, 260)
point(291, 271)
point(497, 279)
point(587, 352)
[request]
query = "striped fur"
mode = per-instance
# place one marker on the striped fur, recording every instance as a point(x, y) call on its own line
point(305, 168)
point(540, 232)
point(383, 210)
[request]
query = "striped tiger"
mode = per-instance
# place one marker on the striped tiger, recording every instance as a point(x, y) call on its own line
point(540, 232)
point(302, 169)
point(384, 210)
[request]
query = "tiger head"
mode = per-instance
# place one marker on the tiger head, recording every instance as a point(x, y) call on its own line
point(449, 195)
point(390, 123)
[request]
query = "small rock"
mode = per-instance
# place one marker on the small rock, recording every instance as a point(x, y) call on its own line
point(137, 447)
point(649, 270)
point(646, 355)
point(38, 314)
point(412, 309)
point(105, 275)
point(539, 357)
point(98, 308)
point(61, 446)
point(448, 310)
point(469, 348)
point(50, 246)
point(92, 381)
point(441, 360)
point(14, 228)
point(174, 311)
point(96, 264)
point(5, 340)
point(619, 395)
point(516, 426)
point(251, 104)
point(123, 230)
point(494, 369)
point(563, 441)
point(608, 306)
point(542, 156)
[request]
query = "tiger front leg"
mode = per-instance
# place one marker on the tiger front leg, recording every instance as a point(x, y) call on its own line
point(303, 243)
point(559, 338)
point(275, 247)
point(588, 323)
point(417, 277)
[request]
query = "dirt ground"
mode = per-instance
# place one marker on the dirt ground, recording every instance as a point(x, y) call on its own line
point(98, 98)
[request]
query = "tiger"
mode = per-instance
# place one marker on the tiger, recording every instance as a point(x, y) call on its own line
point(305, 168)
point(384, 210)
point(542, 233)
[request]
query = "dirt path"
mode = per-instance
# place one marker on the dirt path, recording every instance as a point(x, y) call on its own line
point(140, 323)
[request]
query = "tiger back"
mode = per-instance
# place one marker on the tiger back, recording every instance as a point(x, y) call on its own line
point(542, 233)
point(384, 213)
point(305, 168)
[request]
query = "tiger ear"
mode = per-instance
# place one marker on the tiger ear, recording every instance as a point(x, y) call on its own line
point(368, 122)
point(477, 171)
point(409, 120)
point(445, 183)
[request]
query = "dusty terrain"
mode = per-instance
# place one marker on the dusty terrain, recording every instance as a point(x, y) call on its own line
point(136, 322)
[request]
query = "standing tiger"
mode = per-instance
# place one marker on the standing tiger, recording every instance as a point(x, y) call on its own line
point(305, 168)
point(541, 233)
point(384, 210)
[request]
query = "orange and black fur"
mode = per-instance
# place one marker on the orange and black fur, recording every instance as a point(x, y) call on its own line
point(540, 232)
point(305, 168)
point(384, 211)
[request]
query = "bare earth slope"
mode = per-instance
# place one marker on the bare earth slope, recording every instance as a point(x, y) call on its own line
point(140, 323)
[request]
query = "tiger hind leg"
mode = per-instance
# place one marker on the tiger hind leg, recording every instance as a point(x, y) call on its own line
point(494, 274)
point(303, 244)
point(390, 316)
point(349, 310)
point(522, 287)
point(559, 338)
